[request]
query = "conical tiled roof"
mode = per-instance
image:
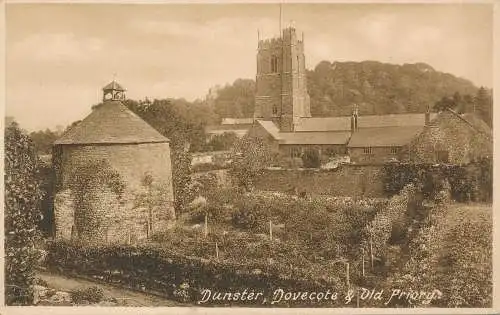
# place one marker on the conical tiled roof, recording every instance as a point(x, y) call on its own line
point(113, 86)
point(111, 123)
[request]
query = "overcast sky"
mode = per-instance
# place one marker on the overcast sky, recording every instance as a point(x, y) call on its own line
point(59, 56)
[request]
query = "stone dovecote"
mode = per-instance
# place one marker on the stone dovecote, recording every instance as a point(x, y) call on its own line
point(132, 149)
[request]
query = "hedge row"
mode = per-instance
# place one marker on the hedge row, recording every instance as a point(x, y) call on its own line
point(468, 182)
point(380, 228)
point(155, 269)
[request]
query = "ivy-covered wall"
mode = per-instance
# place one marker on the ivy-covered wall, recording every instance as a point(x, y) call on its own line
point(449, 139)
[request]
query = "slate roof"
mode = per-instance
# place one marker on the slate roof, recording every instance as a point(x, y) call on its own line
point(369, 121)
point(237, 121)
point(384, 136)
point(315, 137)
point(324, 124)
point(113, 86)
point(271, 128)
point(393, 120)
point(479, 124)
point(229, 127)
point(111, 123)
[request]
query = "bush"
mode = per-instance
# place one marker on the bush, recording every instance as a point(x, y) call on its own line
point(91, 295)
point(470, 182)
point(311, 159)
point(250, 214)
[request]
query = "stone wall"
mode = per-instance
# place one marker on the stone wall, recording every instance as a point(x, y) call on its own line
point(122, 218)
point(346, 180)
point(116, 220)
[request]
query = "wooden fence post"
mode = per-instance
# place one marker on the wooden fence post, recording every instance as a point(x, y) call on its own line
point(357, 297)
point(270, 230)
point(363, 259)
point(371, 250)
point(347, 274)
point(206, 224)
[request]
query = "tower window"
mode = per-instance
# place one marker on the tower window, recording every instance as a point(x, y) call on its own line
point(274, 64)
point(275, 110)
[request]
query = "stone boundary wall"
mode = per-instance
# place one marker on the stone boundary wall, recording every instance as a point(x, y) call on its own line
point(346, 180)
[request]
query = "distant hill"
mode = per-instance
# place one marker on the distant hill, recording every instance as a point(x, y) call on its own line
point(379, 88)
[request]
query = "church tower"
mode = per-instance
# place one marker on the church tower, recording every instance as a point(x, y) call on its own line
point(281, 87)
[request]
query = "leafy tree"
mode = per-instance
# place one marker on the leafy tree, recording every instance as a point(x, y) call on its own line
point(484, 105)
point(222, 142)
point(22, 214)
point(184, 191)
point(154, 196)
point(249, 157)
point(445, 103)
point(379, 88)
point(43, 140)
point(236, 100)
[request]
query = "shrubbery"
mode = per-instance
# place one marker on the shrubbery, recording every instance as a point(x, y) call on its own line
point(22, 215)
point(91, 295)
point(470, 182)
point(183, 277)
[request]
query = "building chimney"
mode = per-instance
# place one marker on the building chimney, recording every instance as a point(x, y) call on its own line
point(354, 118)
point(428, 115)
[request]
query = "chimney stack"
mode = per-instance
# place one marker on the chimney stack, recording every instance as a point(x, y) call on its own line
point(354, 118)
point(428, 115)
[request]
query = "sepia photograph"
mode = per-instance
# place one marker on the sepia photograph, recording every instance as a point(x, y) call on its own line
point(248, 155)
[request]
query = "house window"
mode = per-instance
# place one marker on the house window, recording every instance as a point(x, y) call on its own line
point(295, 152)
point(275, 110)
point(274, 64)
point(394, 150)
point(331, 152)
point(367, 150)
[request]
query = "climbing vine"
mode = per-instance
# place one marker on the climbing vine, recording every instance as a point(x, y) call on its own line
point(92, 185)
point(22, 214)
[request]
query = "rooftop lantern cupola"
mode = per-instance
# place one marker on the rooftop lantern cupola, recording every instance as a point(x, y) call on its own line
point(113, 92)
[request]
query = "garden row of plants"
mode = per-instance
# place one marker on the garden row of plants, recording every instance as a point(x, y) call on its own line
point(467, 182)
point(181, 277)
point(444, 258)
point(321, 227)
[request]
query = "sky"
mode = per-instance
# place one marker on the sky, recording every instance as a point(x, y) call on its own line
point(59, 56)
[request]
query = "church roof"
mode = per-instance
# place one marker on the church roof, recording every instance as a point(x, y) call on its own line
point(384, 136)
point(111, 123)
point(318, 137)
point(342, 123)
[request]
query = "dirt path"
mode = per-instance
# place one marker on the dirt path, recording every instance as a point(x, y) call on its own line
point(124, 296)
